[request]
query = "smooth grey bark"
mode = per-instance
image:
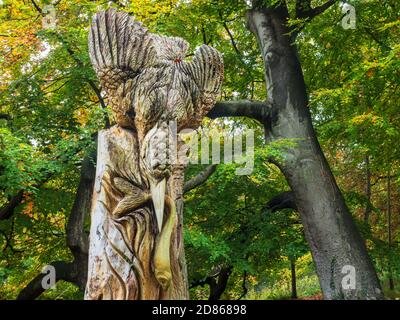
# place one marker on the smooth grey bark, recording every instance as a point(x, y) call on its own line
point(329, 228)
point(283, 200)
point(257, 110)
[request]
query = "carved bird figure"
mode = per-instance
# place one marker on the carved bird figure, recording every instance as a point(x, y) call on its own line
point(148, 83)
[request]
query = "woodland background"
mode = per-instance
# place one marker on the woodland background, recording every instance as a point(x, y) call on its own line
point(236, 247)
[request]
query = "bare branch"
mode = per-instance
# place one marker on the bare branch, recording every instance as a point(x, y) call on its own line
point(77, 240)
point(284, 200)
point(242, 108)
point(318, 10)
point(304, 10)
point(199, 179)
point(71, 52)
point(37, 6)
point(63, 271)
point(232, 39)
point(244, 287)
point(8, 210)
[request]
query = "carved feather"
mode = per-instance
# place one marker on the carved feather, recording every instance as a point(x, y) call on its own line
point(119, 48)
point(117, 41)
point(170, 49)
point(207, 71)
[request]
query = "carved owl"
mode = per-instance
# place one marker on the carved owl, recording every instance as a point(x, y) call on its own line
point(146, 77)
point(148, 84)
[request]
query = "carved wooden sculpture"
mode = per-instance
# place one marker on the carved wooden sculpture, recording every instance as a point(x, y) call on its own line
point(136, 249)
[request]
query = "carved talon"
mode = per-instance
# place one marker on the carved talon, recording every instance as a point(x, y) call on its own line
point(134, 197)
point(130, 203)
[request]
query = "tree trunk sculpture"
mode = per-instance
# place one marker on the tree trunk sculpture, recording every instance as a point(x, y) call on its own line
point(136, 246)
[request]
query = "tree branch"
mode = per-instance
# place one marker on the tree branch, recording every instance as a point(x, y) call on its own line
point(244, 287)
point(63, 270)
point(8, 210)
point(304, 10)
point(77, 240)
point(241, 108)
point(284, 200)
point(200, 283)
point(8, 239)
point(38, 9)
point(318, 10)
point(303, 7)
point(383, 45)
point(232, 39)
point(199, 179)
point(71, 52)
point(218, 286)
point(217, 282)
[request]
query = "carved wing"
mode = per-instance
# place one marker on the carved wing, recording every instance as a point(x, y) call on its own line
point(207, 71)
point(119, 49)
point(119, 45)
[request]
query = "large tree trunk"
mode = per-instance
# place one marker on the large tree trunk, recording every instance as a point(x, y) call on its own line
point(329, 229)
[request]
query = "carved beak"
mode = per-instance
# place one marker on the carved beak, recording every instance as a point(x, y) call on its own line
point(157, 190)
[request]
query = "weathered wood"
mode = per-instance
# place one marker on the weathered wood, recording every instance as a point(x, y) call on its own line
point(136, 246)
